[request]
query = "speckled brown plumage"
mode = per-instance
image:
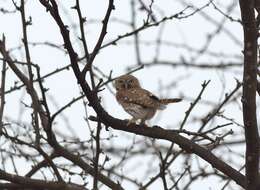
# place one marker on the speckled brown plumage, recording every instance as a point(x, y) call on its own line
point(136, 101)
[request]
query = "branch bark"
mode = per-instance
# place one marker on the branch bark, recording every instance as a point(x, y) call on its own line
point(2, 95)
point(249, 93)
point(26, 182)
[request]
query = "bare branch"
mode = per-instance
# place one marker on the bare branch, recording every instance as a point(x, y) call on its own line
point(249, 94)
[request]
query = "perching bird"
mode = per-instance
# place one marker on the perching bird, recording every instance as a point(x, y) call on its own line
point(138, 102)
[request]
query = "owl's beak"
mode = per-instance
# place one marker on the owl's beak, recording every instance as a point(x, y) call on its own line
point(128, 84)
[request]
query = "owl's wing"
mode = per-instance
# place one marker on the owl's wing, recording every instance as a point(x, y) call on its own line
point(143, 98)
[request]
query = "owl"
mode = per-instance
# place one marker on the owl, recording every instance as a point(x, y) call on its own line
point(138, 102)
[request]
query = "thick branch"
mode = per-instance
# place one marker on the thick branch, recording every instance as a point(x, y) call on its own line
point(26, 182)
point(249, 93)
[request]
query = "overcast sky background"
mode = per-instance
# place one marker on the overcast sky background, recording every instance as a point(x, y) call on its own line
point(63, 87)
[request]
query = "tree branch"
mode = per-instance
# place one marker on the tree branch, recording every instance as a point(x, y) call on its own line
point(101, 38)
point(36, 183)
point(249, 94)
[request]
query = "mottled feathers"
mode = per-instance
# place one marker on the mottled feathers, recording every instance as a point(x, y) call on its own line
point(136, 101)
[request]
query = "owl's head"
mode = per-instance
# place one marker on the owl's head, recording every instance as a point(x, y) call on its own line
point(125, 82)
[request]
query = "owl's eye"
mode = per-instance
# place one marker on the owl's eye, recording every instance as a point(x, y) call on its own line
point(130, 81)
point(120, 81)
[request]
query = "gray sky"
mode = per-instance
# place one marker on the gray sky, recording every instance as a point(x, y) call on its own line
point(192, 30)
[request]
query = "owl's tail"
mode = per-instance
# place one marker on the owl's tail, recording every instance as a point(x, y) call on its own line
point(164, 102)
point(170, 100)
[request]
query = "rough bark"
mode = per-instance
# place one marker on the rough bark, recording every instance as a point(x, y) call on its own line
point(249, 93)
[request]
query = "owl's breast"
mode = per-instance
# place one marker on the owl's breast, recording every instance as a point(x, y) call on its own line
point(129, 101)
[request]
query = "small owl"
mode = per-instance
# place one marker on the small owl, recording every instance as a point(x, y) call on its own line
point(138, 102)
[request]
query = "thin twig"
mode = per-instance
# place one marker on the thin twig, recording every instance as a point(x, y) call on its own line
point(193, 104)
point(100, 39)
point(96, 160)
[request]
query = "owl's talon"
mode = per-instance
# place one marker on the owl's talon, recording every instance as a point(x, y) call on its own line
point(142, 123)
point(131, 121)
